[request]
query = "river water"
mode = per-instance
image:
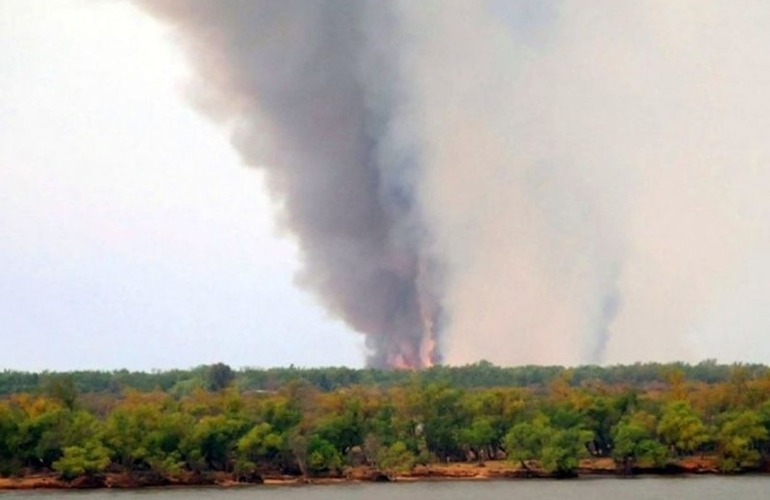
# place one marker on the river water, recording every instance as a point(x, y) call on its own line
point(680, 488)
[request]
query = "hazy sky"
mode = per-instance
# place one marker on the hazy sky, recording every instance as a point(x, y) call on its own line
point(130, 235)
point(594, 176)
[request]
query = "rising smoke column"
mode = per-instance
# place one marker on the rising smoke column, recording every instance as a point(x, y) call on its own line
point(523, 181)
point(527, 218)
point(309, 90)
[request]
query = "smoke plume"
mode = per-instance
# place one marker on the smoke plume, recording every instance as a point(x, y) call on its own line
point(532, 181)
point(309, 90)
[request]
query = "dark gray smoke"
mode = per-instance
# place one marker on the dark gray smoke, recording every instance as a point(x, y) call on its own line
point(557, 181)
point(309, 89)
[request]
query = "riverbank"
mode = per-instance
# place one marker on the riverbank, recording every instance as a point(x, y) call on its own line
point(491, 470)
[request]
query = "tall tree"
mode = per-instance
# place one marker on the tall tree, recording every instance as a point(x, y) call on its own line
point(740, 438)
point(219, 376)
point(682, 429)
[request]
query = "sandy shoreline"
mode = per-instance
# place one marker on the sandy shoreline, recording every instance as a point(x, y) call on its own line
point(493, 470)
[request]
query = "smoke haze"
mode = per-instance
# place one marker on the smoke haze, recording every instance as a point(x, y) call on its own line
point(523, 182)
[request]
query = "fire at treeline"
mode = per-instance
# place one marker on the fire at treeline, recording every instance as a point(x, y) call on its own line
point(327, 422)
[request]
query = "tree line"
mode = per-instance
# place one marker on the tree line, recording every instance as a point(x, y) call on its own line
point(477, 375)
point(302, 427)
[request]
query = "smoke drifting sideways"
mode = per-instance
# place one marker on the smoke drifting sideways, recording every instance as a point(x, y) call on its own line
point(531, 181)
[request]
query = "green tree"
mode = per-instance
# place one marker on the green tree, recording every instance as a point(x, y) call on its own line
point(437, 408)
point(480, 437)
point(42, 437)
point(558, 450)
point(396, 458)
point(61, 388)
point(322, 456)
point(126, 433)
point(498, 407)
point(144, 435)
point(260, 444)
point(563, 449)
point(281, 413)
point(219, 376)
point(212, 442)
point(681, 428)
point(635, 444)
point(342, 431)
point(526, 440)
point(163, 442)
point(9, 440)
point(599, 416)
point(740, 438)
point(86, 459)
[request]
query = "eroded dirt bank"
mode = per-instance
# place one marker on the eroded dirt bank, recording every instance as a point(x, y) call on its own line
point(492, 470)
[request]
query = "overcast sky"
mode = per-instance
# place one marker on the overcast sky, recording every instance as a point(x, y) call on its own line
point(130, 235)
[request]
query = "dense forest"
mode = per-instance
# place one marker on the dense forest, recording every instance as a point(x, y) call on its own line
point(323, 422)
point(478, 375)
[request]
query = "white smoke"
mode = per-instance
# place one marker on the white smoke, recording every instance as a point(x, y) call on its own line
point(583, 159)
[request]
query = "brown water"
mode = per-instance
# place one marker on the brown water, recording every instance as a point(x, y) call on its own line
point(680, 488)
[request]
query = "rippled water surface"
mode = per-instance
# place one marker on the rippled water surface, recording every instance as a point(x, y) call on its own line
point(685, 488)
